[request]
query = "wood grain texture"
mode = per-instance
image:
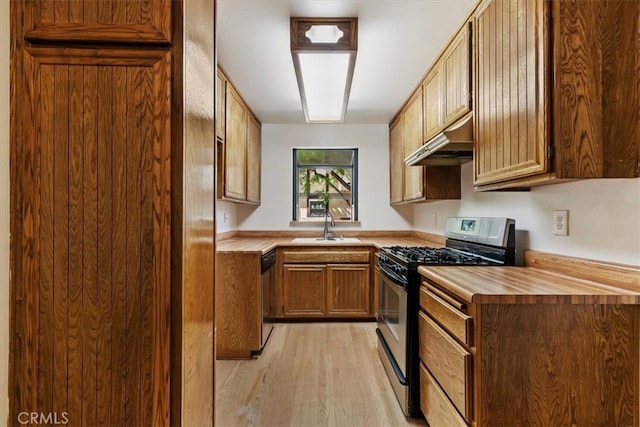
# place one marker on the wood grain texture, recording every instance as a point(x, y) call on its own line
point(558, 365)
point(310, 374)
point(254, 159)
point(623, 276)
point(435, 405)
point(193, 170)
point(396, 160)
point(238, 305)
point(412, 140)
point(131, 22)
point(501, 155)
point(221, 102)
point(235, 148)
point(450, 318)
point(448, 362)
point(456, 72)
point(304, 290)
point(348, 290)
point(433, 102)
point(596, 89)
point(338, 255)
point(91, 180)
point(525, 285)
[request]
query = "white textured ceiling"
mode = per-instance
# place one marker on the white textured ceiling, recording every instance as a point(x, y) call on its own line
point(397, 41)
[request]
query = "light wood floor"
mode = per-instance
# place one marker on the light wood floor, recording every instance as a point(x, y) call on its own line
point(310, 374)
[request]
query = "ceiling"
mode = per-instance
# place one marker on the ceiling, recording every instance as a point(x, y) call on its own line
point(397, 41)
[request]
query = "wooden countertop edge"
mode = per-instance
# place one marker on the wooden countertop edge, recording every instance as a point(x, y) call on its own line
point(526, 285)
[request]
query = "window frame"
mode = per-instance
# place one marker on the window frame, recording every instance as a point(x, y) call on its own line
point(295, 180)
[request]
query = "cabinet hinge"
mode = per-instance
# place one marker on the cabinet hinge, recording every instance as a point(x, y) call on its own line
point(550, 152)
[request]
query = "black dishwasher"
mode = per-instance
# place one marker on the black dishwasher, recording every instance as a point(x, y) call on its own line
point(268, 293)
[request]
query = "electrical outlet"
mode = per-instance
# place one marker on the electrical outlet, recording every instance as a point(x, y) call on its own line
point(561, 223)
point(434, 218)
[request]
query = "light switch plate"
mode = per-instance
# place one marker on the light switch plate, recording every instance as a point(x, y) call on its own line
point(561, 223)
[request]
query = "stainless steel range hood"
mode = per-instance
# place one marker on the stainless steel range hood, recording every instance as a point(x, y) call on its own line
point(453, 146)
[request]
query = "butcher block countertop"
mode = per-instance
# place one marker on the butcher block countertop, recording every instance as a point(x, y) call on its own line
point(545, 279)
point(251, 242)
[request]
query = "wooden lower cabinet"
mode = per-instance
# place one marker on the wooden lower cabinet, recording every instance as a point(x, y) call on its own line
point(238, 305)
point(304, 291)
point(527, 364)
point(348, 290)
point(325, 283)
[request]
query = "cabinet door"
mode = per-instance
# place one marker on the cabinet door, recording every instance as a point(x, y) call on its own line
point(254, 155)
point(348, 288)
point(304, 290)
point(221, 93)
point(235, 147)
point(433, 102)
point(396, 161)
point(413, 175)
point(91, 190)
point(456, 73)
point(511, 85)
point(133, 22)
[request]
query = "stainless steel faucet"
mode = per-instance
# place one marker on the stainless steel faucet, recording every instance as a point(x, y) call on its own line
point(327, 234)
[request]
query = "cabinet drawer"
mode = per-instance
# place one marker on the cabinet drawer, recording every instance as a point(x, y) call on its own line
point(448, 362)
point(435, 405)
point(334, 257)
point(450, 317)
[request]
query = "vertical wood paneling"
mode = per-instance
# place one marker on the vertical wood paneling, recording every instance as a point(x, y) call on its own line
point(511, 155)
point(147, 249)
point(76, 226)
point(106, 279)
point(120, 160)
point(498, 81)
point(511, 101)
point(45, 336)
point(89, 247)
point(133, 249)
point(104, 12)
point(61, 239)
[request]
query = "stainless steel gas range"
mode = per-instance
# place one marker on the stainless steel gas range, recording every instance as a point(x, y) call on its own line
point(482, 241)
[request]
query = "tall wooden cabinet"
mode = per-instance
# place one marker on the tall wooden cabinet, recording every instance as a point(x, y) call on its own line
point(104, 293)
point(583, 123)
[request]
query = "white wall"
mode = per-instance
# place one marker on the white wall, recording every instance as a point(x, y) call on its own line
point(604, 216)
point(374, 212)
point(4, 210)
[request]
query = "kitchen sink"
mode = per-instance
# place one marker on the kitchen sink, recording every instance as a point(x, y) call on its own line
point(320, 240)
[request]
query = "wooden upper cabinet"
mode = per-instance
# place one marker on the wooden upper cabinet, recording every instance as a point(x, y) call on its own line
point(433, 102)
point(511, 86)
point(235, 147)
point(238, 133)
point(221, 94)
point(132, 21)
point(396, 160)
point(456, 70)
point(594, 95)
point(254, 154)
point(412, 139)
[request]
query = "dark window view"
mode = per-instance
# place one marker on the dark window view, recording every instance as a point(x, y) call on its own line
point(325, 180)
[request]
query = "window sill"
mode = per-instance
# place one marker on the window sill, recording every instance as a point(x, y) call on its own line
point(339, 223)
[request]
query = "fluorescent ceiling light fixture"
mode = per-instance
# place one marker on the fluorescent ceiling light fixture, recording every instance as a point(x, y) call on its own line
point(324, 56)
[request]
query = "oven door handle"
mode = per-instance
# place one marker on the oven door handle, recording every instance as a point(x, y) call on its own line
point(394, 364)
point(395, 279)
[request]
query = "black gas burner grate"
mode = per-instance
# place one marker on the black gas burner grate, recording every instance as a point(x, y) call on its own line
point(435, 256)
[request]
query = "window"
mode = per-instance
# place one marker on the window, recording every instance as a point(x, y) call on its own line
point(325, 178)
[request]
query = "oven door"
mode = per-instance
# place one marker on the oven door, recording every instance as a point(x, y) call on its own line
point(392, 334)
